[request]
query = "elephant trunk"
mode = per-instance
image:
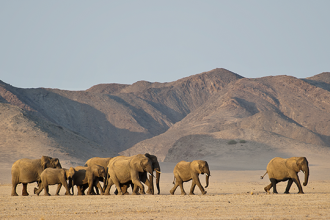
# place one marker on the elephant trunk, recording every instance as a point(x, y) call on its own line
point(71, 184)
point(157, 180)
point(306, 171)
point(207, 179)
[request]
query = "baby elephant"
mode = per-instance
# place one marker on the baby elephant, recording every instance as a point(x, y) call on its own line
point(186, 171)
point(87, 177)
point(52, 176)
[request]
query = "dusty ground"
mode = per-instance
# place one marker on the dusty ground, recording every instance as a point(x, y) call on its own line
point(230, 195)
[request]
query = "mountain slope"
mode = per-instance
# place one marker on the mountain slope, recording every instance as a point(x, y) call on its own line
point(119, 116)
point(269, 111)
point(191, 118)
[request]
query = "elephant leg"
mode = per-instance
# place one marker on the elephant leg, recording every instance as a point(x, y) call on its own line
point(192, 188)
point(117, 184)
point(137, 184)
point(148, 182)
point(107, 189)
point(298, 185)
point(172, 191)
point(98, 185)
point(24, 190)
point(178, 182)
point(274, 182)
point(124, 188)
point(150, 186)
point(38, 190)
point(46, 189)
point(90, 187)
point(13, 189)
point(58, 189)
point(268, 187)
point(66, 188)
point(288, 186)
point(182, 189)
point(198, 183)
point(80, 190)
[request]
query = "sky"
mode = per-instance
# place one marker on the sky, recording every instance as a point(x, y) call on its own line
point(76, 44)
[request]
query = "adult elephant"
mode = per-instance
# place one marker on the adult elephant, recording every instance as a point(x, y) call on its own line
point(101, 162)
point(280, 169)
point(87, 177)
point(186, 171)
point(52, 176)
point(28, 171)
point(144, 177)
point(123, 169)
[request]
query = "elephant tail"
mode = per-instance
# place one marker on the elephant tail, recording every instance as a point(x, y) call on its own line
point(174, 180)
point(264, 175)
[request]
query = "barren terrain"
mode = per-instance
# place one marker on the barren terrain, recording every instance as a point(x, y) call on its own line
point(192, 118)
point(230, 195)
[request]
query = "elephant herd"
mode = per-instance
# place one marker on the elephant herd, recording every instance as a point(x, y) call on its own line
point(124, 172)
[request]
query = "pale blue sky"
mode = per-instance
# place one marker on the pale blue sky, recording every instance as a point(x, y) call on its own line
point(76, 44)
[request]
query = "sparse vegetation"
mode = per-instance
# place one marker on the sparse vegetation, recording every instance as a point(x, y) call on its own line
point(232, 142)
point(242, 141)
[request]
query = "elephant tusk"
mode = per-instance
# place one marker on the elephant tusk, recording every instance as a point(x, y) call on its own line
point(150, 175)
point(158, 171)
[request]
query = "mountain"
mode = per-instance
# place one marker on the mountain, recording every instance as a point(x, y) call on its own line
point(199, 116)
point(271, 111)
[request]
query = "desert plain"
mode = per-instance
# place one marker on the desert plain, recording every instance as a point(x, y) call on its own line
point(232, 194)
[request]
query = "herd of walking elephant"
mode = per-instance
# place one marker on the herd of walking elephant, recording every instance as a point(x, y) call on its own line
point(123, 172)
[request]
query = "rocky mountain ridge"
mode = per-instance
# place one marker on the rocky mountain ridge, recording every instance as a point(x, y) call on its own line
point(193, 117)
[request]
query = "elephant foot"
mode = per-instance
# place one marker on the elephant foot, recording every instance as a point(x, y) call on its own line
point(47, 194)
point(183, 193)
point(135, 193)
point(126, 193)
point(266, 189)
point(25, 194)
point(149, 192)
point(191, 193)
point(286, 192)
point(14, 194)
point(171, 192)
point(204, 192)
point(300, 192)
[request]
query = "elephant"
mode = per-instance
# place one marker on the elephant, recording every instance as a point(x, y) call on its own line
point(28, 171)
point(186, 171)
point(144, 177)
point(280, 169)
point(85, 177)
point(101, 162)
point(52, 176)
point(122, 170)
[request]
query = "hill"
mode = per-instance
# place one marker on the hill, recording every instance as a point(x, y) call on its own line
point(194, 117)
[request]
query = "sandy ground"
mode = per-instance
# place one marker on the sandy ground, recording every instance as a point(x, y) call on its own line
point(230, 195)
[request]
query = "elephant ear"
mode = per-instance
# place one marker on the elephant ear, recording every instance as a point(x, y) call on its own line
point(57, 163)
point(70, 173)
point(291, 163)
point(300, 162)
point(200, 167)
point(144, 163)
point(101, 171)
point(44, 162)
